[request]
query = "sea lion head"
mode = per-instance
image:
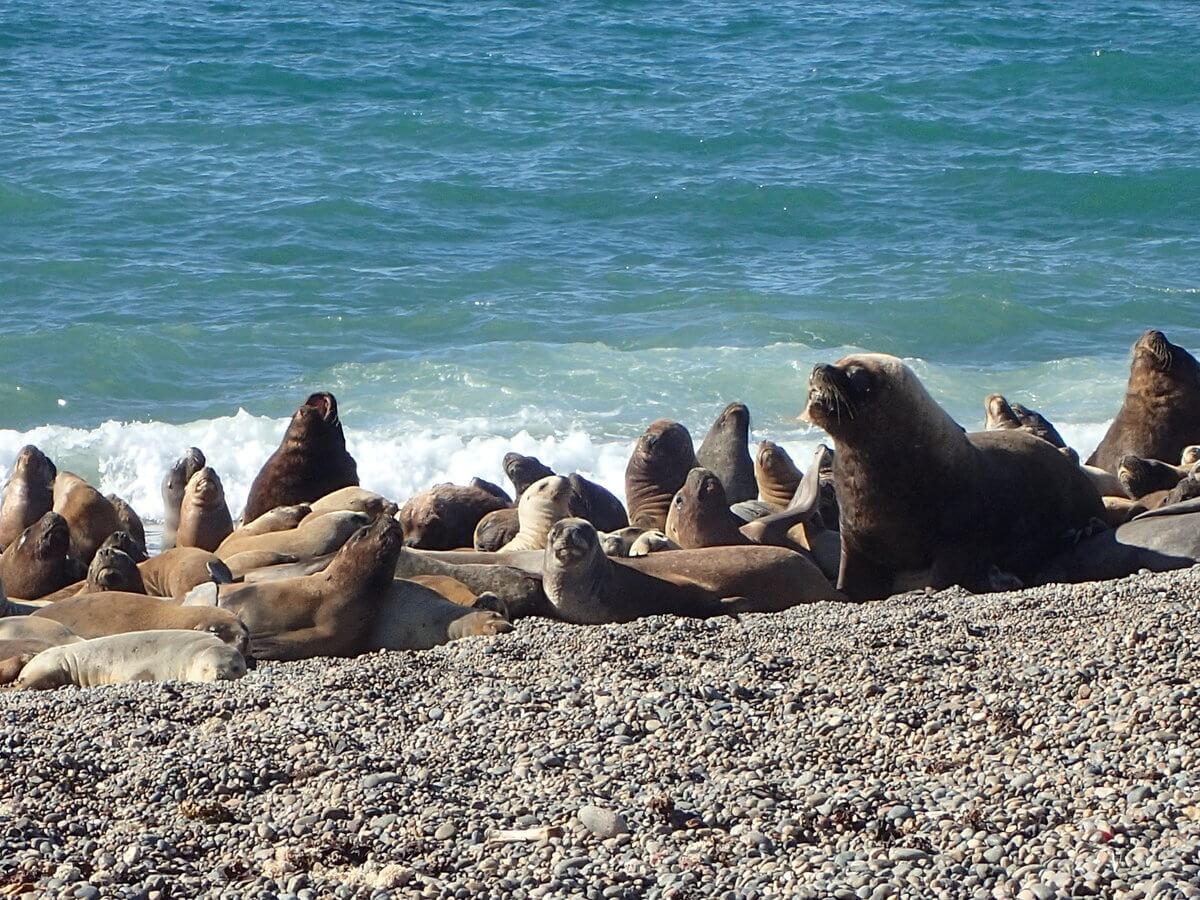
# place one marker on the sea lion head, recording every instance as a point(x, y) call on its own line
point(47, 538)
point(228, 628)
point(701, 491)
point(664, 444)
point(1158, 362)
point(374, 547)
point(774, 460)
point(315, 418)
point(183, 469)
point(571, 541)
point(735, 418)
point(217, 664)
point(1140, 477)
point(553, 492)
point(523, 471)
point(123, 541)
point(35, 466)
point(205, 488)
point(114, 570)
point(999, 413)
point(1190, 456)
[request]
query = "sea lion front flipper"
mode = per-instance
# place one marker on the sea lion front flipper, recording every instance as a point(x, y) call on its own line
point(860, 578)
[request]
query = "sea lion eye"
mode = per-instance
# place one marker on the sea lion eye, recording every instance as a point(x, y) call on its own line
point(859, 379)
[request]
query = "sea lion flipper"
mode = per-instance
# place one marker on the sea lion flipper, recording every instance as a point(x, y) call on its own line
point(808, 492)
point(219, 572)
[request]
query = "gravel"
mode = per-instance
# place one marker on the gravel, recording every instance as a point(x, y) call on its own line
point(1035, 744)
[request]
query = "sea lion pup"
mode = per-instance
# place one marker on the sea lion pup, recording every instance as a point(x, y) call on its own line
point(657, 468)
point(618, 543)
point(326, 614)
point(597, 504)
point(523, 471)
point(1161, 412)
point(114, 612)
point(411, 616)
point(700, 516)
point(204, 519)
point(161, 655)
point(131, 522)
point(496, 529)
point(544, 502)
point(445, 516)
point(1002, 415)
point(173, 485)
point(89, 514)
point(1140, 477)
point(776, 474)
point(311, 460)
point(29, 494)
point(24, 637)
point(176, 571)
point(352, 499)
point(923, 501)
point(315, 537)
point(39, 561)
point(725, 451)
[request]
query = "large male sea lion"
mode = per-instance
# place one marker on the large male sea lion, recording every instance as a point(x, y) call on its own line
point(89, 514)
point(544, 502)
point(29, 494)
point(311, 461)
point(204, 519)
point(445, 516)
point(700, 515)
point(725, 451)
point(39, 561)
point(921, 499)
point(173, 485)
point(1161, 412)
point(776, 474)
point(657, 468)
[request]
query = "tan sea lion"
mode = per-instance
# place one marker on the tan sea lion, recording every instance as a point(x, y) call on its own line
point(315, 537)
point(414, 617)
point(29, 494)
point(544, 502)
point(700, 515)
point(657, 468)
point(496, 529)
point(353, 499)
point(450, 588)
point(204, 519)
point(777, 476)
point(173, 485)
point(445, 516)
point(176, 571)
point(173, 655)
point(242, 564)
point(725, 451)
point(130, 521)
point(311, 461)
point(922, 502)
point(1161, 412)
point(1004, 416)
point(89, 514)
point(24, 637)
point(39, 561)
point(281, 518)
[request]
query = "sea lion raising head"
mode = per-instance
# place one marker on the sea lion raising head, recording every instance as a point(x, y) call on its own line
point(29, 494)
point(39, 562)
point(204, 519)
point(173, 485)
point(657, 468)
point(725, 451)
point(700, 515)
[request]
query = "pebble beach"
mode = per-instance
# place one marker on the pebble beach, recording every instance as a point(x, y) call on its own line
point(1033, 744)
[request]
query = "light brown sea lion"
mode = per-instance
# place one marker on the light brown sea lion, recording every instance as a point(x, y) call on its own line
point(176, 571)
point(89, 514)
point(1004, 416)
point(327, 614)
point(725, 451)
point(204, 519)
point(1161, 412)
point(777, 476)
point(922, 502)
point(657, 468)
point(523, 471)
point(445, 516)
point(39, 561)
point(24, 637)
point(311, 461)
point(588, 588)
point(544, 502)
point(353, 499)
point(131, 522)
point(496, 529)
point(29, 494)
point(413, 617)
point(700, 515)
point(450, 588)
point(618, 543)
point(315, 537)
point(281, 518)
point(113, 612)
point(173, 485)
point(242, 564)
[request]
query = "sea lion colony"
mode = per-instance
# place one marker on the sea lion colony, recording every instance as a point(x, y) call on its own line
point(904, 498)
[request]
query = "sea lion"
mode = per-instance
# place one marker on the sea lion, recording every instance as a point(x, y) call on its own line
point(311, 461)
point(315, 537)
point(114, 570)
point(496, 529)
point(520, 588)
point(141, 656)
point(544, 502)
point(411, 616)
point(353, 499)
point(1190, 456)
point(204, 519)
point(130, 521)
point(281, 518)
point(449, 588)
point(491, 488)
point(586, 587)
point(24, 637)
point(1187, 489)
point(39, 561)
point(29, 494)
point(651, 541)
point(700, 516)
point(657, 468)
point(176, 571)
point(113, 612)
point(123, 541)
point(242, 564)
point(523, 471)
point(1002, 415)
point(919, 495)
point(326, 614)
point(618, 543)
point(597, 504)
point(1161, 412)
point(725, 451)
point(1140, 477)
point(445, 516)
point(1106, 483)
point(89, 514)
point(173, 485)
point(776, 474)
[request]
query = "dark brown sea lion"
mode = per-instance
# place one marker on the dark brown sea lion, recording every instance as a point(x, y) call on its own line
point(725, 451)
point(444, 517)
point(922, 502)
point(311, 460)
point(523, 471)
point(515, 584)
point(657, 468)
point(131, 522)
point(597, 504)
point(39, 562)
point(700, 515)
point(491, 488)
point(89, 514)
point(114, 570)
point(173, 485)
point(29, 494)
point(176, 571)
point(1161, 412)
point(123, 541)
point(496, 529)
point(1004, 416)
point(204, 519)
point(776, 474)
point(1140, 477)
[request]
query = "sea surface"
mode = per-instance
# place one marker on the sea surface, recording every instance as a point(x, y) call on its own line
point(489, 226)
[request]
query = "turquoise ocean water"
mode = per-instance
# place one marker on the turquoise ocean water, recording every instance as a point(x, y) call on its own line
point(488, 226)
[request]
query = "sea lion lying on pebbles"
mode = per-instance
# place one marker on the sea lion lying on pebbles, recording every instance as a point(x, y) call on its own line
point(725, 451)
point(29, 494)
point(204, 519)
point(311, 461)
point(411, 616)
point(657, 468)
point(24, 637)
point(776, 474)
point(89, 514)
point(511, 577)
point(39, 561)
point(445, 516)
point(173, 485)
point(544, 502)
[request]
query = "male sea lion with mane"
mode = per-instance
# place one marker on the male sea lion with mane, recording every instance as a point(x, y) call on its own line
point(921, 499)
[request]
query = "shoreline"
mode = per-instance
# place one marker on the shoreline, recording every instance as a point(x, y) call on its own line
point(1025, 744)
